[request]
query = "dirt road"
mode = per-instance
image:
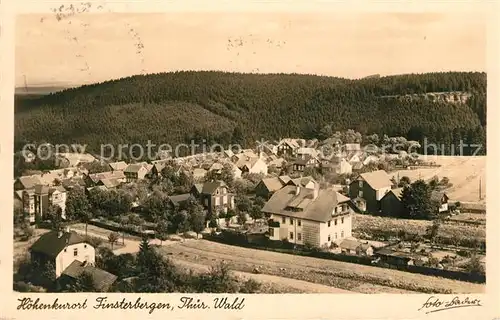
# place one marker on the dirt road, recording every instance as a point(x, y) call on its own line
point(282, 284)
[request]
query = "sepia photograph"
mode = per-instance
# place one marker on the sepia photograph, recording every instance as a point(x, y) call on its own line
point(249, 152)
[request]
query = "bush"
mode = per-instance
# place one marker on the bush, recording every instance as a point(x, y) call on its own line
point(464, 253)
point(250, 286)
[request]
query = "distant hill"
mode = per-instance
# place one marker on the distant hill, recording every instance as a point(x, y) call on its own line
point(223, 107)
point(38, 90)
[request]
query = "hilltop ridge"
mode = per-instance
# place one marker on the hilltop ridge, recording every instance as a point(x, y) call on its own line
point(228, 107)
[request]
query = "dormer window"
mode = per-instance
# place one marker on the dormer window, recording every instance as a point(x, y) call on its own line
point(361, 183)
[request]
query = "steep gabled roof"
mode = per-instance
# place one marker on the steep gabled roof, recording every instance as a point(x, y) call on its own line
point(272, 184)
point(210, 187)
point(101, 278)
point(377, 179)
point(29, 182)
point(117, 166)
point(51, 244)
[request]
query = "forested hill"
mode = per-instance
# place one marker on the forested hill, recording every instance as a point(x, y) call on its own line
point(177, 107)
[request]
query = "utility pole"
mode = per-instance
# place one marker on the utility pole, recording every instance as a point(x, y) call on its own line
point(480, 195)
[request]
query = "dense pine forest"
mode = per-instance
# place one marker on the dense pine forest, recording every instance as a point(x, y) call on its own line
point(242, 108)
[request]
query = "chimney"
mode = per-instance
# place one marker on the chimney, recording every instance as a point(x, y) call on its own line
point(297, 190)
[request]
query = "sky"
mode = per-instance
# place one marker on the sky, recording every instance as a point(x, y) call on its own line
point(95, 47)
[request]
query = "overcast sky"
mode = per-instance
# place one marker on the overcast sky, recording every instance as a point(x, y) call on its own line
point(96, 47)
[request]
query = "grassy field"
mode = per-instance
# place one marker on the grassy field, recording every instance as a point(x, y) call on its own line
point(464, 173)
point(347, 276)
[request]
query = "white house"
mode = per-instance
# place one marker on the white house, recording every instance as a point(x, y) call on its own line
point(62, 248)
point(308, 215)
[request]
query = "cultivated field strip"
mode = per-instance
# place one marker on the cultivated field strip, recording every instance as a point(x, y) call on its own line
point(334, 273)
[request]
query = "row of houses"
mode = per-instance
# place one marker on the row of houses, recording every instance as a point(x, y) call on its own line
point(302, 213)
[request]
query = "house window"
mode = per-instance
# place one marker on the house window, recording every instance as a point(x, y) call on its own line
point(329, 238)
point(75, 252)
point(85, 246)
point(335, 235)
point(283, 220)
point(360, 194)
point(342, 234)
point(291, 235)
point(335, 221)
point(65, 250)
point(361, 183)
point(271, 232)
point(299, 236)
point(299, 223)
point(342, 220)
point(291, 221)
point(329, 223)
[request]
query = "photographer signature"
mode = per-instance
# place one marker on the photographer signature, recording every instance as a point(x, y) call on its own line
point(433, 304)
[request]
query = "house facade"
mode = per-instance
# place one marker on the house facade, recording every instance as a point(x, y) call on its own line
point(305, 162)
point(62, 248)
point(214, 196)
point(29, 203)
point(287, 147)
point(136, 171)
point(309, 215)
point(391, 204)
point(442, 199)
point(44, 196)
point(371, 187)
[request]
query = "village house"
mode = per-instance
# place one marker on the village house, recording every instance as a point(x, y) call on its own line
point(214, 196)
point(267, 186)
point(369, 188)
point(118, 166)
point(441, 198)
point(393, 256)
point(355, 247)
point(177, 201)
point(277, 162)
point(390, 203)
point(252, 164)
point(305, 162)
point(43, 197)
point(92, 180)
point(308, 215)
point(71, 256)
point(287, 147)
point(268, 148)
point(26, 182)
point(73, 159)
point(335, 165)
point(136, 171)
point(306, 152)
point(349, 150)
point(28, 199)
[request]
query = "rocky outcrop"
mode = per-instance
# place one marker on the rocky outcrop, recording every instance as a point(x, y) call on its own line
point(448, 97)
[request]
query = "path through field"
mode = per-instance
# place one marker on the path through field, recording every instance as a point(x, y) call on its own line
point(464, 173)
point(282, 284)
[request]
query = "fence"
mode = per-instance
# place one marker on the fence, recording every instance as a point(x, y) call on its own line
point(287, 248)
